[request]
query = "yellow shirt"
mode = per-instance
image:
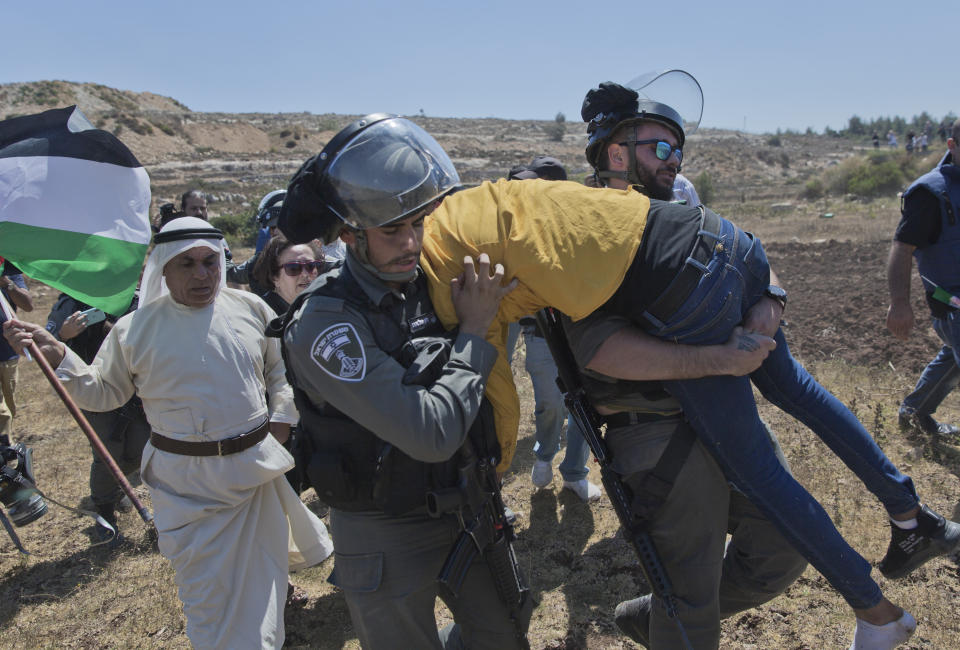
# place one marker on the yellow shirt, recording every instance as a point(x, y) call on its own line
point(569, 245)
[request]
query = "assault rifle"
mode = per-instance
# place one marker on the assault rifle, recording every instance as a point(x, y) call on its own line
point(485, 531)
point(634, 525)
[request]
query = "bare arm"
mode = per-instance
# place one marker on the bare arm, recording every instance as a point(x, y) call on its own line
point(20, 334)
point(632, 354)
point(19, 296)
point(900, 317)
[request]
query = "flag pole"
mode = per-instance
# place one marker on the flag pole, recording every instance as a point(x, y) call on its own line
point(98, 447)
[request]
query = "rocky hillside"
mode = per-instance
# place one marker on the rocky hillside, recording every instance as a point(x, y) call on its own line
point(237, 157)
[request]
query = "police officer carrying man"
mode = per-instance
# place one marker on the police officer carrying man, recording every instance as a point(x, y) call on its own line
point(646, 432)
point(380, 443)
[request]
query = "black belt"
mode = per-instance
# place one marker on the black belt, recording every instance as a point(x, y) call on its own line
point(223, 447)
point(627, 418)
point(689, 275)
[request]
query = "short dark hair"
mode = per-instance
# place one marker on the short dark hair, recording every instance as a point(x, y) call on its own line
point(186, 195)
point(955, 132)
point(268, 262)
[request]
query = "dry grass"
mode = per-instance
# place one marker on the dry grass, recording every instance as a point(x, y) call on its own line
point(70, 595)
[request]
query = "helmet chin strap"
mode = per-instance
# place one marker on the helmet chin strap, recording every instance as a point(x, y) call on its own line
point(361, 253)
point(631, 176)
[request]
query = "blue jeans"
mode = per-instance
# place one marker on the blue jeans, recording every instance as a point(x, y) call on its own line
point(549, 411)
point(723, 411)
point(941, 375)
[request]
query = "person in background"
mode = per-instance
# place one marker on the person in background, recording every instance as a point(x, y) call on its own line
point(18, 296)
point(286, 269)
point(549, 410)
point(124, 431)
point(928, 231)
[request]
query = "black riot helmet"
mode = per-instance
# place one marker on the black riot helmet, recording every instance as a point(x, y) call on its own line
point(658, 97)
point(377, 170)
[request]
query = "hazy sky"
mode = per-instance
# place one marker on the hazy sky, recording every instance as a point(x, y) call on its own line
point(762, 65)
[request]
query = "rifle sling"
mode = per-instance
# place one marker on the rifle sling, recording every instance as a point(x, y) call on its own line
point(654, 488)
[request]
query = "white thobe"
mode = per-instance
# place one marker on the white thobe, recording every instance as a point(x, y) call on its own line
point(231, 525)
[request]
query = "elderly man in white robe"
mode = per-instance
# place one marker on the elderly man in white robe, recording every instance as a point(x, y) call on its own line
point(196, 354)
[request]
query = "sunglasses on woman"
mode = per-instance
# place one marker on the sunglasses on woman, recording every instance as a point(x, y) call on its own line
point(663, 149)
point(293, 269)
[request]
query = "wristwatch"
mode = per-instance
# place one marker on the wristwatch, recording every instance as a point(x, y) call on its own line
point(778, 294)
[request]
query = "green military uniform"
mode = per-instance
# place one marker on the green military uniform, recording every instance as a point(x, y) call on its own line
point(388, 558)
point(712, 579)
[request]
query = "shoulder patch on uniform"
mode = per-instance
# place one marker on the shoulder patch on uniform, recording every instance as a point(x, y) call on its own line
point(339, 351)
point(326, 303)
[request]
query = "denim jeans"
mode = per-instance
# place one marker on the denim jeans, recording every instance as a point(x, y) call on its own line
point(941, 375)
point(723, 412)
point(549, 411)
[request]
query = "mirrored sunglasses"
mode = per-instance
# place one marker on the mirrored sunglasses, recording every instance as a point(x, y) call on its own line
point(293, 269)
point(663, 149)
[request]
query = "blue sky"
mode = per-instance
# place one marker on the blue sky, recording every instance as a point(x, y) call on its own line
point(762, 65)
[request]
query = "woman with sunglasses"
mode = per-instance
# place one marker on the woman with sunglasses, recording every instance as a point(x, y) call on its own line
point(287, 269)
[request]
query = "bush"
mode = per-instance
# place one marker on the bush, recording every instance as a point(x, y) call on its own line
point(881, 173)
point(703, 183)
point(877, 178)
point(239, 229)
point(813, 189)
point(558, 129)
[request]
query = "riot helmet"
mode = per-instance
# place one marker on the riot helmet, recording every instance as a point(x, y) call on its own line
point(672, 97)
point(268, 212)
point(379, 169)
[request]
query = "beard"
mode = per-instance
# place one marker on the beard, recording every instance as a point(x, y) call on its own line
point(655, 187)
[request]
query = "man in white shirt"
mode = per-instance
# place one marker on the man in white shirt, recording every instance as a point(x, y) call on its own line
point(212, 385)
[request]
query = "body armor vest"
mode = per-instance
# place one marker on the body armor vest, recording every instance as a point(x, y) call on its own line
point(940, 262)
point(348, 465)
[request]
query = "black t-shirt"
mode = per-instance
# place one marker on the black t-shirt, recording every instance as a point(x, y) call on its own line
point(920, 221)
point(920, 225)
point(668, 239)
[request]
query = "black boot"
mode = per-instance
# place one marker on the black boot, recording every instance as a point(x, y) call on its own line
point(924, 422)
point(633, 618)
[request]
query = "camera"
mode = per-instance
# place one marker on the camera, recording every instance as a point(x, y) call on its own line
point(18, 490)
point(168, 212)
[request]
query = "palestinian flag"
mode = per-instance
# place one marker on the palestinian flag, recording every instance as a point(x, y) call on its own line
point(74, 206)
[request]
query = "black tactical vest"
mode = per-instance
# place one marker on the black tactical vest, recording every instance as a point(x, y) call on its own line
point(348, 465)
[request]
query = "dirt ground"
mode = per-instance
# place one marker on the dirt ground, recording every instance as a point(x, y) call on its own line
point(71, 595)
point(838, 304)
point(68, 594)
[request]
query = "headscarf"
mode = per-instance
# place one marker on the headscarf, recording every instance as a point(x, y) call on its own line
point(178, 236)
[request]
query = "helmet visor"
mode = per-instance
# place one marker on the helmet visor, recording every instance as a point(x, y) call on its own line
point(386, 172)
point(677, 89)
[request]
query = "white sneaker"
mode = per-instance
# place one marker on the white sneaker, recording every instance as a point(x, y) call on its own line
point(883, 637)
point(586, 490)
point(542, 473)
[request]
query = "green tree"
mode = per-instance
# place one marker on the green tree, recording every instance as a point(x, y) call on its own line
point(558, 129)
point(855, 126)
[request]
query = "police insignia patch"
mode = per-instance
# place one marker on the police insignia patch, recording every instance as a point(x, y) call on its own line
point(339, 352)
